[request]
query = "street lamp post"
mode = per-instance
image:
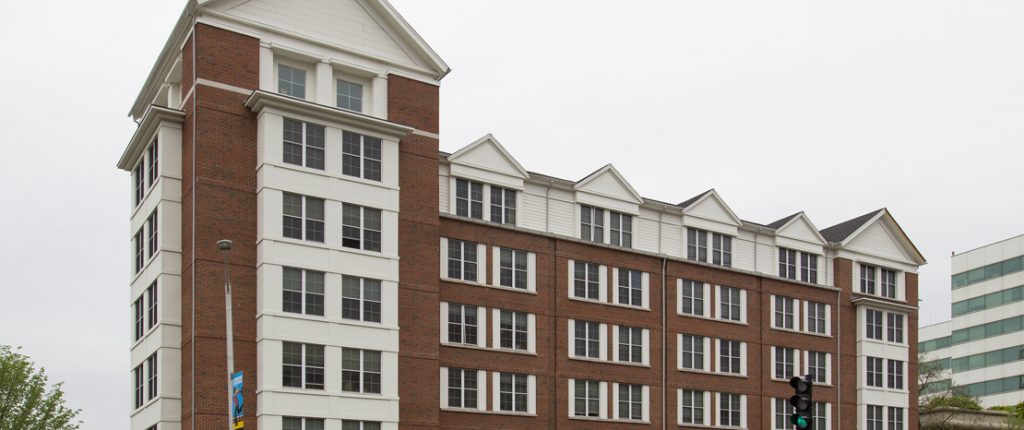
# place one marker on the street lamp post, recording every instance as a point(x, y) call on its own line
point(225, 245)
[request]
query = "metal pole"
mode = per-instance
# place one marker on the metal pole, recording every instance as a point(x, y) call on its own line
point(225, 246)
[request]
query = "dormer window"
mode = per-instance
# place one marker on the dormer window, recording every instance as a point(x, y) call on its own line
point(792, 263)
point(291, 81)
point(350, 95)
point(879, 281)
point(593, 222)
point(503, 205)
point(621, 229)
point(469, 199)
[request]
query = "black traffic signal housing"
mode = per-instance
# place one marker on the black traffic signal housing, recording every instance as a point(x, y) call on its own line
point(802, 402)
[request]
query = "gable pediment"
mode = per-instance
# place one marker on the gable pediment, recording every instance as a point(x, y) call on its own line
point(368, 27)
point(879, 239)
point(609, 183)
point(487, 160)
point(801, 228)
point(711, 207)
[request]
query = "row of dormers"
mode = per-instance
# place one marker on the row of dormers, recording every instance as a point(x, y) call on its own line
point(554, 206)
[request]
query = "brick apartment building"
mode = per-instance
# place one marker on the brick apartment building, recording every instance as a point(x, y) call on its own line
point(382, 284)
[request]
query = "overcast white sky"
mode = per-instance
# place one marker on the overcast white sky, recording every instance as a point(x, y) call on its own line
point(833, 108)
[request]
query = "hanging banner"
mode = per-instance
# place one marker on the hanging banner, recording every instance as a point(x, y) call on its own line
point(237, 401)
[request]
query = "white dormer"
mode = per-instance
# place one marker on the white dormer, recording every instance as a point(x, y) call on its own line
point(800, 248)
point(709, 212)
point(606, 208)
point(486, 183)
point(799, 233)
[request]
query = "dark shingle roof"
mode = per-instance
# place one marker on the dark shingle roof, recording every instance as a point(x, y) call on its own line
point(841, 231)
point(690, 201)
point(775, 225)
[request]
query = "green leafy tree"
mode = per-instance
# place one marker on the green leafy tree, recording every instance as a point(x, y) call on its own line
point(26, 400)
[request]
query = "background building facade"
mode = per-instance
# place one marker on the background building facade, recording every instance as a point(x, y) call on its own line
point(981, 347)
point(380, 283)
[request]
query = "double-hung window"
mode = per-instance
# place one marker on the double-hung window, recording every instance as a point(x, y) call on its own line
point(730, 302)
point(151, 297)
point(630, 287)
point(783, 415)
point(586, 280)
point(360, 227)
point(591, 224)
point(692, 350)
point(817, 366)
point(587, 398)
point(360, 371)
point(350, 95)
point(730, 410)
point(785, 313)
point(873, 324)
point(867, 279)
point(692, 297)
point(361, 156)
point(462, 388)
point(721, 250)
point(696, 244)
point(587, 339)
point(503, 205)
point(785, 362)
point(631, 344)
point(895, 328)
point(816, 314)
point(621, 229)
point(631, 401)
point(151, 371)
point(809, 268)
point(888, 281)
point(140, 182)
point(730, 354)
point(692, 405)
point(895, 419)
point(153, 160)
point(462, 260)
point(303, 217)
point(894, 376)
point(513, 268)
point(513, 330)
point(139, 247)
point(303, 144)
point(462, 324)
point(291, 81)
point(139, 317)
point(140, 379)
point(303, 291)
point(512, 392)
point(360, 299)
point(300, 423)
point(302, 365)
point(874, 417)
point(787, 263)
point(359, 425)
point(469, 199)
point(873, 372)
point(152, 226)
point(820, 415)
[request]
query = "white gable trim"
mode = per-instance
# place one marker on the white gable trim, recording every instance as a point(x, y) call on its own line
point(802, 216)
point(608, 169)
point(489, 139)
point(713, 194)
point(895, 233)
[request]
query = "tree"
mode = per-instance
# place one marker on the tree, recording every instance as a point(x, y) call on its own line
point(939, 394)
point(26, 401)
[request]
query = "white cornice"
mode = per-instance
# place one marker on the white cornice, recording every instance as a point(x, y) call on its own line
point(859, 300)
point(260, 100)
point(150, 122)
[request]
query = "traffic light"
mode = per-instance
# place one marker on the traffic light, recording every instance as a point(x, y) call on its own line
point(802, 402)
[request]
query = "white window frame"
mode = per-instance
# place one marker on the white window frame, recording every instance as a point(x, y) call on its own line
point(153, 234)
point(899, 379)
point(365, 232)
point(828, 366)
point(481, 325)
point(470, 184)
point(700, 242)
point(531, 330)
point(723, 251)
point(602, 341)
point(644, 287)
point(705, 408)
point(304, 291)
point(645, 402)
point(742, 305)
point(481, 258)
point(304, 217)
point(705, 298)
point(623, 235)
point(362, 372)
point(530, 277)
point(589, 231)
point(363, 158)
point(778, 357)
point(827, 318)
point(152, 303)
point(481, 390)
point(152, 371)
point(531, 393)
point(503, 206)
point(602, 282)
point(742, 410)
point(742, 357)
point(781, 407)
point(898, 285)
point(362, 299)
point(890, 330)
point(878, 365)
point(337, 84)
point(874, 416)
point(794, 314)
point(868, 325)
point(895, 422)
point(705, 355)
point(307, 148)
point(645, 341)
point(303, 422)
point(304, 366)
point(308, 85)
point(602, 399)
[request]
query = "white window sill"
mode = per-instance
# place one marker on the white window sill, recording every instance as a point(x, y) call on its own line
point(598, 360)
point(617, 305)
point(703, 317)
point(610, 420)
point(701, 371)
point(485, 285)
point(731, 375)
